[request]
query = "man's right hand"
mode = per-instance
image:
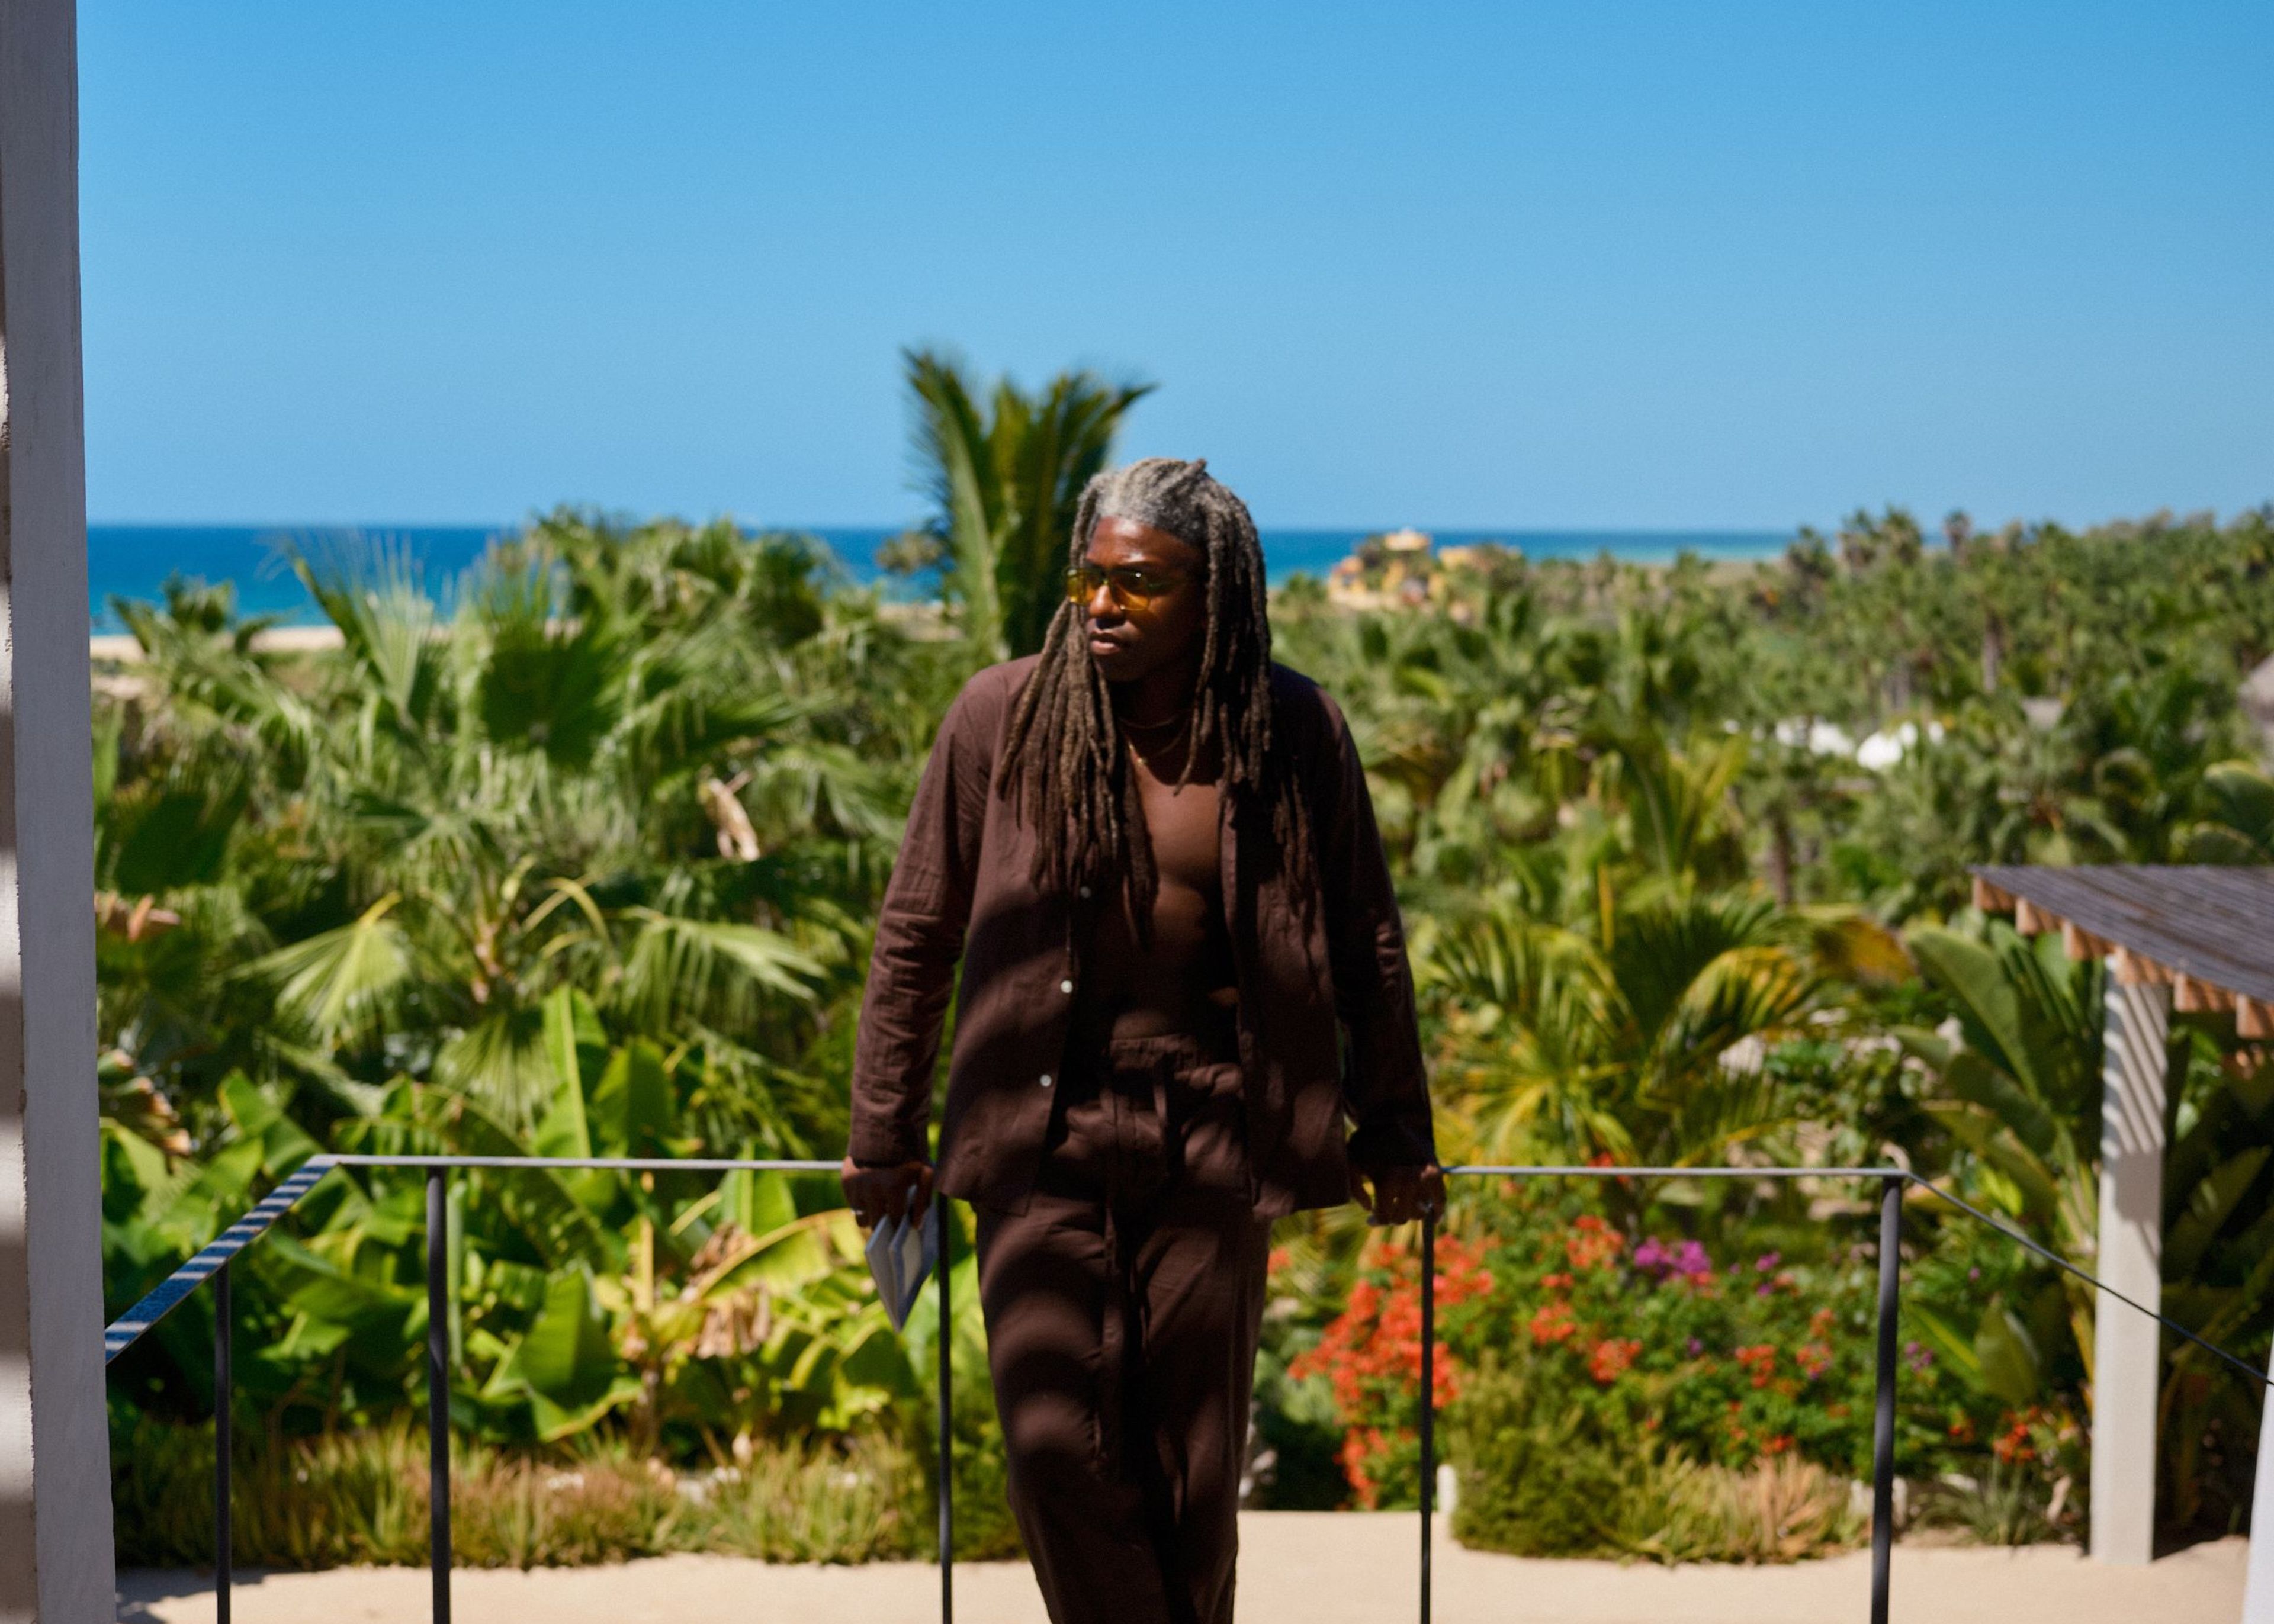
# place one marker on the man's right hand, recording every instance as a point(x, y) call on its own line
point(875, 1193)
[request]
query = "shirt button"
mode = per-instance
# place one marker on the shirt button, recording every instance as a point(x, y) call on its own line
point(1046, 1080)
point(1085, 891)
point(1065, 986)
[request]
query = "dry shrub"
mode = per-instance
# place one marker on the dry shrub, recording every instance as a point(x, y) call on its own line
point(1539, 1476)
point(360, 1498)
point(535, 1513)
point(1783, 1510)
point(866, 1502)
point(314, 1503)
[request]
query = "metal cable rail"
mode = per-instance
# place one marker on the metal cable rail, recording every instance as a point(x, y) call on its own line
point(212, 1263)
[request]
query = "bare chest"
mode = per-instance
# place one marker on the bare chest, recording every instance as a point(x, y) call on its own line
point(1183, 821)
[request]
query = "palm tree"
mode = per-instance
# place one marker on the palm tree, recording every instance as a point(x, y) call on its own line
point(1623, 1038)
point(1003, 483)
point(2141, 746)
point(653, 763)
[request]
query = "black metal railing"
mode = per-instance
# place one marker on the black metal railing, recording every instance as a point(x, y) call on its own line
point(213, 1263)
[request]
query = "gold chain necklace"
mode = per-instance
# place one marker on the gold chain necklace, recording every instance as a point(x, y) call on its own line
point(1157, 744)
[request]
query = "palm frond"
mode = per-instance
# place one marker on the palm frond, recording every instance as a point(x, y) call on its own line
point(340, 984)
point(372, 592)
point(710, 970)
point(501, 1061)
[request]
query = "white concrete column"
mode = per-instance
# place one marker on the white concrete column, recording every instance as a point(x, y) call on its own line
point(2126, 1344)
point(55, 1478)
point(2258, 1588)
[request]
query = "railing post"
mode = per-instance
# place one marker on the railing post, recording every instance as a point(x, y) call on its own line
point(945, 1266)
point(438, 1388)
point(1882, 1417)
point(1428, 1395)
point(224, 1443)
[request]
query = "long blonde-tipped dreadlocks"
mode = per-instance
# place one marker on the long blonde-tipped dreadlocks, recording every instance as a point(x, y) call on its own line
point(1063, 764)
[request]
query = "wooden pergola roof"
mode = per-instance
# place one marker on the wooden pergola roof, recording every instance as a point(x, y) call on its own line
point(2207, 933)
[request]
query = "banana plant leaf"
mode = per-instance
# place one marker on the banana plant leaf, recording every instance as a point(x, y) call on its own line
point(566, 1362)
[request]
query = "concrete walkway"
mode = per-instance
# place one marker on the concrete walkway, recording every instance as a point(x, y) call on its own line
point(1295, 1568)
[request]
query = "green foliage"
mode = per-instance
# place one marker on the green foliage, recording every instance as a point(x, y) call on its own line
point(1615, 1037)
point(2004, 1507)
point(663, 765)
point(1664, 1398)
point(2238, 825)
point(2019, 1094)
point(2017, 1090)
point(1539, 1480)
point(567, 864)
point(577, 857)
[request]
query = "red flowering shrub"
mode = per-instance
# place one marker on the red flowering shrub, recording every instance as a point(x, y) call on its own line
point(1760, 1364)
point(2046, 1435)
point(1593, 1244)
point(1554, 1324)
point(1642, 1342)
point(1611, 1357)
point(1726, 1366)
point(1371, 1354)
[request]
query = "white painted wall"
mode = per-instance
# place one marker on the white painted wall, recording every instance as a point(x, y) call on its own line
point(55, 1478)
point(2128, 1344)
point(2258, 1589)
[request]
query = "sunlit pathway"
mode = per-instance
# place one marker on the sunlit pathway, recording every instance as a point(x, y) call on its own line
point(1295, 1568)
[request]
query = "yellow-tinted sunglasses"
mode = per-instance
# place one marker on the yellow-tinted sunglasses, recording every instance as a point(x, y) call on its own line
point(1133, 586)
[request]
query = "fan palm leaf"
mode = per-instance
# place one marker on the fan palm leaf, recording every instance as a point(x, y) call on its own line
point(341, 984)
point(713, 970)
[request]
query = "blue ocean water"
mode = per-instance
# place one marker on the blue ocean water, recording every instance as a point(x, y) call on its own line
point(134, 560)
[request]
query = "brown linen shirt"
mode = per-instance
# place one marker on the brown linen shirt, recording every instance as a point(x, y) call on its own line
point(1326, 999)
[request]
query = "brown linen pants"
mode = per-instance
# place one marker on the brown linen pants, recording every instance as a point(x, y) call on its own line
point(1123, 1308)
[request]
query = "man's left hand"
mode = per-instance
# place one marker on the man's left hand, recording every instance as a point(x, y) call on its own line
point(1401, 1194)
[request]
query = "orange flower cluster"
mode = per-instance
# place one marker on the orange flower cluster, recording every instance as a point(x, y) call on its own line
point(2021, 1442)
point(1759, 1362)
point(1553, 1324)
point(1611, 1358)
point(1592, 1244)
point(1377, 1338)
point(1362, 1445)
point(1814, 1358)
point(1372, 1351)
point(1595, 1244)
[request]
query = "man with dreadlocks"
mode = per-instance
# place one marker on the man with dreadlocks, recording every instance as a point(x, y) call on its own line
point(1183, 975)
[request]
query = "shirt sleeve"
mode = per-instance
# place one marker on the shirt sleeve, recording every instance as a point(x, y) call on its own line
point(920, 931)
point(1385, 1086)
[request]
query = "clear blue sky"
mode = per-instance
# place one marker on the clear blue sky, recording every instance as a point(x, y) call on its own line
point(1465, 266)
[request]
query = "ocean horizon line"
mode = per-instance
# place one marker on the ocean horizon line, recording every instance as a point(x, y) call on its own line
point(849, 527)
point(134, 561)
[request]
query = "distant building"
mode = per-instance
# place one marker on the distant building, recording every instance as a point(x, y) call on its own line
point(1405, 569)
point(1390, 568)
